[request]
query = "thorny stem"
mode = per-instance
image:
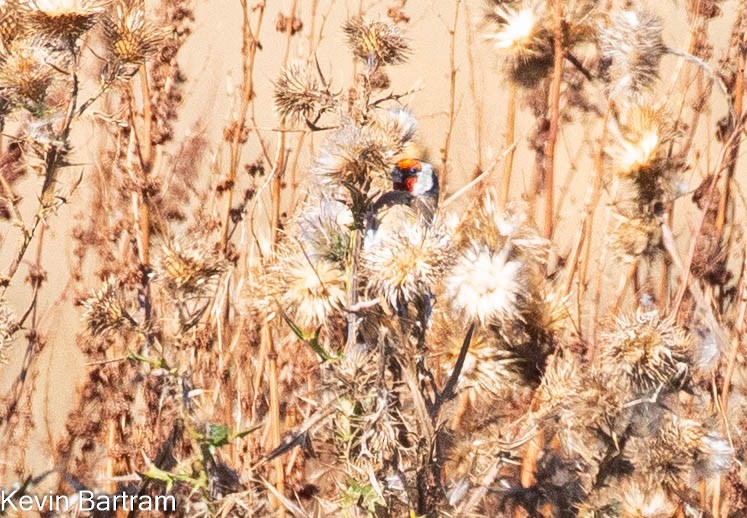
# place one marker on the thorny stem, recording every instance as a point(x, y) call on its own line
point(250, 44)
point(476, 97)
point(280, 157)
point(557, 78)
point(50, 174)
point(452, 101)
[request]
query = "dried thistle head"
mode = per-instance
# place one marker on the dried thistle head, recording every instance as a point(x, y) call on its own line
point(579, 407)
point(491, 369)
point(639, 499)
point(352, 156)
point(188, 269)
point(404, 266)
point(64, 20)
point(642, 145)
point(8, 328)
point(301, 96)
point(131, 39)
point(487, 286)
point(106, 311)
point(496, 229)
point(396, 128)
point(679, 451)
point(311, 291)
point(376, 42)
point(357, 157)
point(521, 33)
point(12, 21)
point(631, 47)
point(26, 73)
point(634, 237)
point(647, 352)
point(324, 230)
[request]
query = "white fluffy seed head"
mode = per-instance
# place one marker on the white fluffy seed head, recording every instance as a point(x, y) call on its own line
point(486, 286)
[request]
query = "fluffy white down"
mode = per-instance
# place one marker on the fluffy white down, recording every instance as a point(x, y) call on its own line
point(485, 285)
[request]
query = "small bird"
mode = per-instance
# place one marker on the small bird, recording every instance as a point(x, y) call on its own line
point(412, 200)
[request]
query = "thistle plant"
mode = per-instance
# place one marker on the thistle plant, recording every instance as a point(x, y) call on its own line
point(286, 309)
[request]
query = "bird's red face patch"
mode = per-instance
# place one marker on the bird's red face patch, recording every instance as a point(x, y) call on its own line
point(405, 174)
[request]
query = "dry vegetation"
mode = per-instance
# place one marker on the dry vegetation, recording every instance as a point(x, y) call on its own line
point(282, 330)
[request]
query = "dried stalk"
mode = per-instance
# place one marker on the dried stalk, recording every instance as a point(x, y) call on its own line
point(508, 165)
point(557, 78)
point(250, 45)
point(452, 101)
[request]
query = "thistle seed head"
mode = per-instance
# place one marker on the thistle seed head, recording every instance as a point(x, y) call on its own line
point(324, 230)
point(13, 21)
point(496, 229)
point(404, 266)
point(680, 450)
point(64, 20)
point(376, 42)
point(105, 310)
point(490, 370)
point(487, 286)
point(521, 34)
point(26, 73)
point(131, 38)
point(360, 156)
point(300, 96)
point(647, 352)
point(631, 47)
point(634, 237)
point(642, 145)
point(190, 269)
point(311, 291)
point(639, 499)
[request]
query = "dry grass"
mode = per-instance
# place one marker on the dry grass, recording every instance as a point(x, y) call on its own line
point(296, 327)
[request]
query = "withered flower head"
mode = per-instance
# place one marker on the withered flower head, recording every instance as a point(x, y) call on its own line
point(64, 20)
point(631, 47)
point(647, 352)
point(496, 228)
point(520, 33)
point(633, 237)
point(299, 95)
point(487, 286)
point(310, 291)
point(376, 42)
point(105, 310)
point(188, 269)
point(131, 38)
point(405, 265)
point(8, 328)
point(359, 156)
point(324, 230)
point(679, 450)
point(643, 500)
point(25, 72)
point(491, 370)
point(12, 21)
point(641, 146)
